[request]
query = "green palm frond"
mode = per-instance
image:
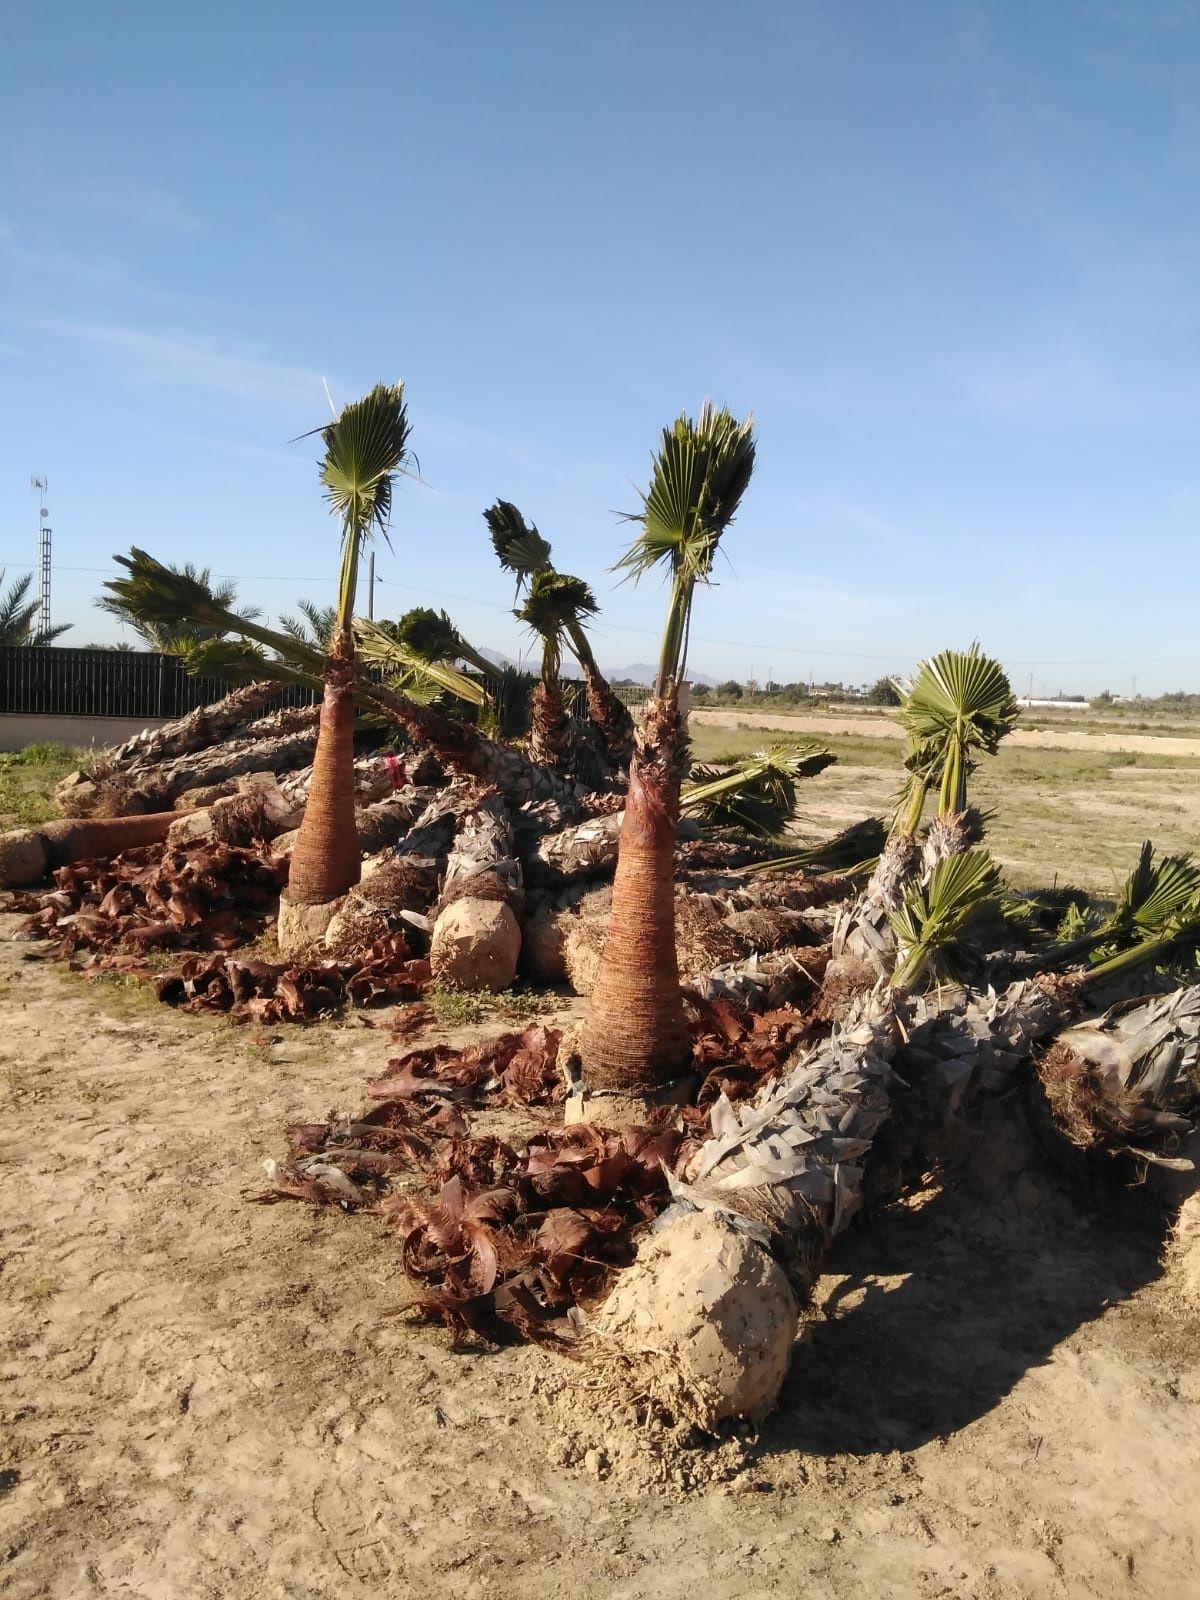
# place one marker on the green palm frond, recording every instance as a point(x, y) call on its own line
point(429, 633)
point(933, 915)
point(699, 475)
point(383, 649)
point(176, 638)
point(17, 614)
point(365, 446)
point(852, 851)
point(519, 547)
point(1154, 894)
point(433, 636)
point(184, 605)
point(758, 794)
point(314, 625)
point(555, 605)
point(960, 701)
point(240, 661)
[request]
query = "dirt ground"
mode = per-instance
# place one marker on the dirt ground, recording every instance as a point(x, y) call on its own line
point(879, 727)
point(205, 1398)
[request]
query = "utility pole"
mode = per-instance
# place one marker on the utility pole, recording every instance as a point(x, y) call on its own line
point(371, 588)
point(39, 486)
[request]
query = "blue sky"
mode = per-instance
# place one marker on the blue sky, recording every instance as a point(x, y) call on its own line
point(948, 254)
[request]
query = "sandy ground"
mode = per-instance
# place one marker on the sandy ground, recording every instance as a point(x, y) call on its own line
point(203, 1398)
point(869, 727)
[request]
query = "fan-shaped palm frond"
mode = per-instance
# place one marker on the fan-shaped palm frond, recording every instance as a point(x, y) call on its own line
point(365, 446)
point(519, 547)
point(1154, 894)
point(700, 473)
point(183, 604)
point(555, 603)
point(959, 701)
point(933, 915)
point(758, 793)
point(433, 636)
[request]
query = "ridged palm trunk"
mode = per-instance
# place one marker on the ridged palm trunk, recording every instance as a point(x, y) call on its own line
point(551, 737)
point(325, 861)
point(611, 716)
point(27, 855)
point(635, 1042)
point(464, 751)
point(196, 731)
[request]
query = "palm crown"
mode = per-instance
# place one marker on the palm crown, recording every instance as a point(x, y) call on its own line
point(519, 547)
point(699, 476)
point(556, 604)
point(960, 701)
point(365, 446)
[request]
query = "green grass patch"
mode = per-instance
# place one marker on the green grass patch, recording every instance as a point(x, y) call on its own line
point(459, 1008)
point(27, 782)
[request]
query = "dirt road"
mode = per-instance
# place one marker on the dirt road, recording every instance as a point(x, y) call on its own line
point(204, 1399)
point(868, 727)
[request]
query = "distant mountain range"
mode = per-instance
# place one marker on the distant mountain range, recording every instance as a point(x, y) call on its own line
point(638, 672)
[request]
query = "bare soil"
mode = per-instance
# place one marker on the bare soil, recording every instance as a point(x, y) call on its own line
point(996, 1397)
point(880, 727)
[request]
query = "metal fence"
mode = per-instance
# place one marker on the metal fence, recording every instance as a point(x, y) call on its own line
point(143, 683)
point(107, 683)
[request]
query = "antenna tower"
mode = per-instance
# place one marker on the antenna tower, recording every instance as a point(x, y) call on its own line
point(39, 486)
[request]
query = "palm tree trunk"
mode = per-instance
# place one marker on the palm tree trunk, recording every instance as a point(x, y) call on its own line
point(551, 738)
point(196, 731)
point(27, 855)
point(635, 1043)
point(607, 710)
point(325, 861)
point(466, 752)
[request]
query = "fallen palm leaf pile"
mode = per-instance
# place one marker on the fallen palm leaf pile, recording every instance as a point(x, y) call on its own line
point(508, 1241)
point(267, 991)
point(210, 897)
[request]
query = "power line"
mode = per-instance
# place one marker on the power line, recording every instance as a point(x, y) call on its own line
point(619, 627)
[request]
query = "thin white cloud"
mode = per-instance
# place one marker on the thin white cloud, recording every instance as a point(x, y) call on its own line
point(99, 275)
point(187, 362)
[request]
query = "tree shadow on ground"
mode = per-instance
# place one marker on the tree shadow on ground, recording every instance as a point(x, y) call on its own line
point(931, 1314)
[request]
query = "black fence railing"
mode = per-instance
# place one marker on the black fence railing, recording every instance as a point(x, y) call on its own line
point(143, 683)
point(107, 683)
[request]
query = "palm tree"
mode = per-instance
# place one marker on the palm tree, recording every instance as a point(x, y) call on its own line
point(314, 625)
point(365, 446)
point(552, 603)
point(634, 1041)
point(160, 594)
point(521, 550)
point(960, 702)
point(177, 638)
point(17, 614)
